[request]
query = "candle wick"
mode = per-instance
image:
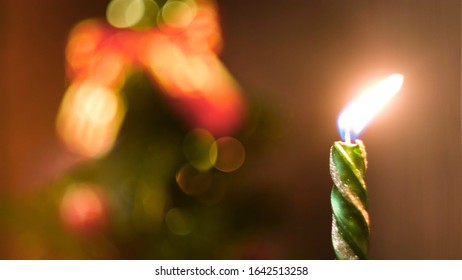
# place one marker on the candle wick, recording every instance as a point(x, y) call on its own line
point(347, 136)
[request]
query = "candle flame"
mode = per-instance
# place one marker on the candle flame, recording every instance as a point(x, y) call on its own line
point(358, 113)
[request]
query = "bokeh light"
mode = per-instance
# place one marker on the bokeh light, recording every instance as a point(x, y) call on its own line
point(131, 13)
point(89, 119)
point(82, 46)
point(161, 57)
point(178, 72)
point(178, 13)
point(186, 67)
point(82, 207)
point(192, 74)
point(108, 69)
point(179, 221)
point(192, 181)
point(196, 147)
point(229, 154)
point(124, 13)
point(151, 10)
point(204, 34)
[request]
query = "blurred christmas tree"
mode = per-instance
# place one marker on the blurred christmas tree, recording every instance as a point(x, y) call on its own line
point(167, 144)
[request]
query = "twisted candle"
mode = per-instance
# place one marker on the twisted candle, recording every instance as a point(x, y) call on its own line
point(350, 220)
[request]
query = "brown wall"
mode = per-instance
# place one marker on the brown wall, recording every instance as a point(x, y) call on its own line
point(307, 58)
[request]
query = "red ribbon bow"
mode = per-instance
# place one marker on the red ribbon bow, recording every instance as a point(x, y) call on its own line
point(182, 62)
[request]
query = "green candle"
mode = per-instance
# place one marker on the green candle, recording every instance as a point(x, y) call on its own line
point(348, 163)
point(350, 220)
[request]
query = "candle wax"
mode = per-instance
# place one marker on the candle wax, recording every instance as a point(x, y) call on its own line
point(350, 220)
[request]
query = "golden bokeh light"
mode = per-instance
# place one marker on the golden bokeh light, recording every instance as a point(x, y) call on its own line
point(108, 69)
point(151, 10)
point(180, 73)
point(178, 13)
point(125, 13)
point(162, 57)
point(229, 154)
point(196, 148)
point(192, 181)
point(192, 74)
point(89, 119)
point(160, 50)
point(179, 221)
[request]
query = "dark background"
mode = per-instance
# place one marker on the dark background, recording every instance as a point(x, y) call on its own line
point(306, 59)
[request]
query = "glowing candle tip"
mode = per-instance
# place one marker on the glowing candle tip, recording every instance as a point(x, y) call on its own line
point(358, 113)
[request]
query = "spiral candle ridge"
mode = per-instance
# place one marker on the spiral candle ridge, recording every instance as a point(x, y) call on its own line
point(350, 220)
